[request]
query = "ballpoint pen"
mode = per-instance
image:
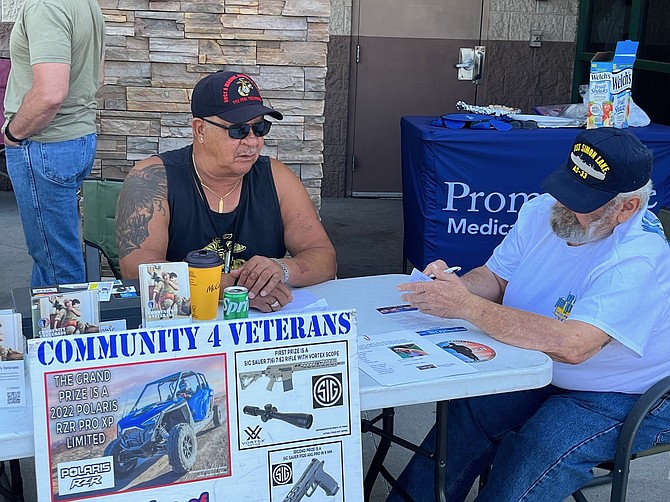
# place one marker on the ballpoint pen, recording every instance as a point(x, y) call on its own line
point(449, 270)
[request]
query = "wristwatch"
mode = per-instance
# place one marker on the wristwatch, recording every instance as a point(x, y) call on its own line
point(10, 136)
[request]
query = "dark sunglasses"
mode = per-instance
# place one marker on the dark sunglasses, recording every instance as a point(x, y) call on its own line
point(241, 131)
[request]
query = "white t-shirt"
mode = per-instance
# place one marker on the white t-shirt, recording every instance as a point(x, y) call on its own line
point(620, 284)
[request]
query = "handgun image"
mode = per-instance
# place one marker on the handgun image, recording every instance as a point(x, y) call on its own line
point(313, 477)
point(302, 420)
point(284, 372)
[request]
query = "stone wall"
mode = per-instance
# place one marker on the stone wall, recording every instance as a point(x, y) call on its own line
point(522, 76)
point(157, 51)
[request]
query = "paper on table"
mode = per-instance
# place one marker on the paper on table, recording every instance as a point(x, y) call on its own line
point(402, 356)
point(423, 324)
point(471, 347)
point(418, 276)
point(12, 385)
point(303, 301)
point(104, 289)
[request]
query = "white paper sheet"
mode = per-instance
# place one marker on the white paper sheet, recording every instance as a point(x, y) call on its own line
point(403, 356)
point(12, 384)
point(303, 301)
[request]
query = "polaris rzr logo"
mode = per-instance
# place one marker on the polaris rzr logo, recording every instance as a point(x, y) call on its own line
point(85, 476)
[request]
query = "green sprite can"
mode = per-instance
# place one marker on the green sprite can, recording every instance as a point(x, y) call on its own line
point(235, 302)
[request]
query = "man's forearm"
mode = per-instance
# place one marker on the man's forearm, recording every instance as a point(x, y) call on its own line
point(482, 282)
point(50, 87)
point(311, 267)
point(34, 114)
point(569, 342)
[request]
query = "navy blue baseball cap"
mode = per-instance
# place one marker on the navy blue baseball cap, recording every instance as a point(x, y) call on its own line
point(231, 96)
point(603, 163)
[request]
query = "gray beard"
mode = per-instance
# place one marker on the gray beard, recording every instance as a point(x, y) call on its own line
point(565, 225)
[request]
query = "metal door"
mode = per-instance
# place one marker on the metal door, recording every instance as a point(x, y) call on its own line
point(403, 63)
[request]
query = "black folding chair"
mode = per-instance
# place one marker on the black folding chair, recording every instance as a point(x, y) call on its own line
point(619, 468)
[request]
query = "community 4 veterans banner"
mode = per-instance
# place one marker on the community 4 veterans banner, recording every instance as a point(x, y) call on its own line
point(262, 409)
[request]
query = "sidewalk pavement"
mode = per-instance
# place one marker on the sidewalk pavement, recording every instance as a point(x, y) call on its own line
point(367, 234)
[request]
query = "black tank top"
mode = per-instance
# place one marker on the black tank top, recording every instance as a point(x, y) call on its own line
point(254, 227)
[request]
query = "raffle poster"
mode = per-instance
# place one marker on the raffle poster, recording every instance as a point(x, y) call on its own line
point(263, 409)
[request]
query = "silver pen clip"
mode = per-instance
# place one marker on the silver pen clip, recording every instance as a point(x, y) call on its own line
point(229, 256)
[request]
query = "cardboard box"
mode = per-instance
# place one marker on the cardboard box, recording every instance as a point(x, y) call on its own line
point(610, 86)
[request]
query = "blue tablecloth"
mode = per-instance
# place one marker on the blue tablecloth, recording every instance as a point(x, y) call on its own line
point(462, 188)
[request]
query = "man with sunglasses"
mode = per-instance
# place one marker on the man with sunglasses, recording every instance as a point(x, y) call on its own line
point(220, 193)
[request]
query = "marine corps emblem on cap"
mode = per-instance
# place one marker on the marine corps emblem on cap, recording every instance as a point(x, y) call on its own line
point(238, 89)
point(229, 95)
point(244, 87)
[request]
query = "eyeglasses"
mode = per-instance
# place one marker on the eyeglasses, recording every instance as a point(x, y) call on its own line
point(241, 131)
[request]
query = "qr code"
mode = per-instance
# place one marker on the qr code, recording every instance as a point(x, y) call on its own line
point(13, 397)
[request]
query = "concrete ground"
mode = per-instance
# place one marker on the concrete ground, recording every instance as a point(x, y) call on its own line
point(367, 234)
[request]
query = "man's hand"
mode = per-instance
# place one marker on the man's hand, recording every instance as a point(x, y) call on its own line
point(446, 296)
point(260, 275)
point(7, 141)
point(277, 298)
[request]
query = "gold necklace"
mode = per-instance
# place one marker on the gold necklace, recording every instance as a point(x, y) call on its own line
point(221, 197)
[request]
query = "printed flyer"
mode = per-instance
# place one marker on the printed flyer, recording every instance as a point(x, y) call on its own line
point(62, 314)
point(265, 407)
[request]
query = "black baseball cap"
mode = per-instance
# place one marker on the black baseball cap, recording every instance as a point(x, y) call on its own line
point(231, 96)
point(603, 163)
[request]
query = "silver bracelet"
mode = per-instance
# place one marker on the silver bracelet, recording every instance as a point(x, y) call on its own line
point(283, 267)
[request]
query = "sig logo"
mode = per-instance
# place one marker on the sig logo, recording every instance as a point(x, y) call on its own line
point(327, 390)
point(86, 475)
point(282, 474)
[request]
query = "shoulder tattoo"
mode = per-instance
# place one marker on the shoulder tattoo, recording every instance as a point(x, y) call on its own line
point(144, 194)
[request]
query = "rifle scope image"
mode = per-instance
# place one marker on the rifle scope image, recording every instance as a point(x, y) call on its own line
point(302, 420)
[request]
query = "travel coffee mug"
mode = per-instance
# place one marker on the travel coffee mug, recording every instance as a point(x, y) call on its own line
point(204, 274)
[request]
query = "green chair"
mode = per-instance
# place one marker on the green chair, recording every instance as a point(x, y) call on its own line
point(99, 199)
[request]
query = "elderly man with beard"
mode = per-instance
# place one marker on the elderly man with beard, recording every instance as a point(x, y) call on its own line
point(583, 276)
point(221, 194)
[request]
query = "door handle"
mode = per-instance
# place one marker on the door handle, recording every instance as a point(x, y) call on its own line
point(468, 64)
point(471, 63)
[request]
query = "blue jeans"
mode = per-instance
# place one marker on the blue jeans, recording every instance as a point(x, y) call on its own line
point(45, 178)
point(542, 444)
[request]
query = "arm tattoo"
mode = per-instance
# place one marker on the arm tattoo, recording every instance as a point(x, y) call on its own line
point(143, 195)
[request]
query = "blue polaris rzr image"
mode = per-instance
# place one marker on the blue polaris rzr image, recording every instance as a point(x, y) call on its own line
point(165, 420)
